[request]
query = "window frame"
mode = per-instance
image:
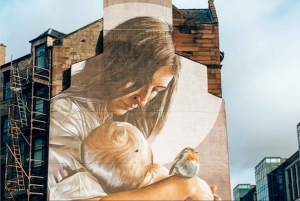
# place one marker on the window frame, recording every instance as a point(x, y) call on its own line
point(3, 133)
point(38, 56)
point(38, 152)
point(6, 86)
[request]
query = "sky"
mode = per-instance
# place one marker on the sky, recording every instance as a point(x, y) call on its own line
point(260, 73)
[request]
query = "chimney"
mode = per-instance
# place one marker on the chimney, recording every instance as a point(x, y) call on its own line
point(116, 12)
point(213, 10)
point(2, 54)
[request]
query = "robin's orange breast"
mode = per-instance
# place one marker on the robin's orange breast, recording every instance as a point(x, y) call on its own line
point(192, 157)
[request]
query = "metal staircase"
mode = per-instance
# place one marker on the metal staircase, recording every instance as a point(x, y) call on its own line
point(25, 176)
point(17, 118)
point(16, 88)
point(15, 150)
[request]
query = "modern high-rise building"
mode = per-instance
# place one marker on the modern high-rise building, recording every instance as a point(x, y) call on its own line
point(276, 183)
point(292, 173)
point(240, 190)
point(28, 83)
point(298, 134)
point(266, 166)
point(250, 196)
point(277, 179)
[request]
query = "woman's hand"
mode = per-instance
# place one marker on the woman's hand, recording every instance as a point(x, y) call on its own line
point(214, 190)
point(198, 189)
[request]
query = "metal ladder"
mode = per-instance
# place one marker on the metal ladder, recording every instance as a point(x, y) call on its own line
point(15, 149)
point(16, 87)
point(17, 119)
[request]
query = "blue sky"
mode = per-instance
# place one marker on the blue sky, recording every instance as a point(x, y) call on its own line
point(260, 74)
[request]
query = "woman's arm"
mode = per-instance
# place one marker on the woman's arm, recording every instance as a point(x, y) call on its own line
point(158, 172)
point(171, 188)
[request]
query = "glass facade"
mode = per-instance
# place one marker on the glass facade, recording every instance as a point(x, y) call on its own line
point(251, 195)
point(292, 174)
point(266, 166)
point(240, 190)
point(276, 184)
point(298, 133)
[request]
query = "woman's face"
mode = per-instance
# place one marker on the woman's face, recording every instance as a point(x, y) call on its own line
point(139, 98)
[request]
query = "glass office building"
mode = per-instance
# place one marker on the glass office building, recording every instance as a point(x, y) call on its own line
point(276, 184)
point(240, 190)
point(266, 166)
point(298, 134)
point(292, 173)
point(250, 196)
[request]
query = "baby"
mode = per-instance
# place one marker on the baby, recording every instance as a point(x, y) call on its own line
point(119, 156)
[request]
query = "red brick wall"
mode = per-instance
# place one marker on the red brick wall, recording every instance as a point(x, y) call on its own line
point(200, 42)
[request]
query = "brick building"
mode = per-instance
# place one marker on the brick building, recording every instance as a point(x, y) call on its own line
point(29, 82)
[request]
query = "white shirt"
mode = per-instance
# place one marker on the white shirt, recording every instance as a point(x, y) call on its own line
point(70, 123)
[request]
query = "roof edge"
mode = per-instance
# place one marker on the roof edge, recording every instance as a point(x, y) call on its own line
point(179, 11)
point(47, 33)
point(16, 60)
point(94, 22)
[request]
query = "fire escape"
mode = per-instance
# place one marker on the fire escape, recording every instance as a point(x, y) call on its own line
point(26, 153)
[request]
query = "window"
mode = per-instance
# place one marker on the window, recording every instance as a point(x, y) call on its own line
point(24, 98)
point(4, 129)
point(38, 152)
point(6, 86)
point(41, 103)
point(5, 125)
point(39, 106)
point(22, 150)
point(40, 56)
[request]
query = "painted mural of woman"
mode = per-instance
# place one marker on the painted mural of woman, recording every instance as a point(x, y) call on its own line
point(134, 80)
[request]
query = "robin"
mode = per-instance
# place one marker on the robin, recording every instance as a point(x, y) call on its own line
point(186, 163)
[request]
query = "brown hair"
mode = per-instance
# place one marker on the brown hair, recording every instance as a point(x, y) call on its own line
point(131, 56)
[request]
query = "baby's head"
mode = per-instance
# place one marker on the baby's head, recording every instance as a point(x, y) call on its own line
point(118, 155)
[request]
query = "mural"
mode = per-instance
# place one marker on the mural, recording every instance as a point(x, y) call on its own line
point(128, 113)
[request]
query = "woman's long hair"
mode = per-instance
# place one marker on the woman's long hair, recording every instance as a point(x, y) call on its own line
point(133, 52)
